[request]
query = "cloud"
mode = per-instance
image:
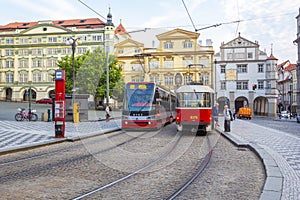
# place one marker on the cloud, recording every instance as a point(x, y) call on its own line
point(177, 14)
point(267, 21)
point(54, 9)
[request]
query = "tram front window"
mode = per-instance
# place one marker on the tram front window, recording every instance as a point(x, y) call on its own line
point(140, 103)
point(195, 99)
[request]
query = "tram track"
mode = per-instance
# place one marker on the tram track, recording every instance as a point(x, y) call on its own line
point(202, 165)
point(109, 188)
point(106, 176)
point(44, 166)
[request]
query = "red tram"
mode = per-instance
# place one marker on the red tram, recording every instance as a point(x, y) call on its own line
point(194, 108)
point(147, 106)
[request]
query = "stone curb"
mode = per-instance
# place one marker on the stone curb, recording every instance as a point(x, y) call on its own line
point(55, 141)
point(273, 186)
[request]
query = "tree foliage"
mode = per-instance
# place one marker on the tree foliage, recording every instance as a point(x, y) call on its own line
point(66, 64)
point(90, 70)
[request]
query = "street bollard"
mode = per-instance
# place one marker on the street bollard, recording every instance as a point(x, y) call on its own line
point(49, 118)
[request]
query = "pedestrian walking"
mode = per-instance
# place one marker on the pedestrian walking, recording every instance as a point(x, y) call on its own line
point(107, 110)
point(227, 118)
point(215, 114)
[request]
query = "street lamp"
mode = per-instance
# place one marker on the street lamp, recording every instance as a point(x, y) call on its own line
point(73, 42)
point(291, 94)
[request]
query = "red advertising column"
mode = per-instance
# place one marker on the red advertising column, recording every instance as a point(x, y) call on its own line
point(60, 104)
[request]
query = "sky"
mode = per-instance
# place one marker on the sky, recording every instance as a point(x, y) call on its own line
point(270, 22)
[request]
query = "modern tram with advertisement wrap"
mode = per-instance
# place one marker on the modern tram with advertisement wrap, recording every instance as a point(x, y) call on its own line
point(147, 106)
point(194, 108)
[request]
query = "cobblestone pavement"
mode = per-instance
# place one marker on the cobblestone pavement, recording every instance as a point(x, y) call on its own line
point(14, 135)
point(280, 151)
point(283, 148)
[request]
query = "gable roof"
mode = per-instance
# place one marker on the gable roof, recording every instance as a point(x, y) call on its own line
point(272, 57)
point(177, 34)
point(239, 42)
point(129, 43)
point(120, 30)
point(78, 23)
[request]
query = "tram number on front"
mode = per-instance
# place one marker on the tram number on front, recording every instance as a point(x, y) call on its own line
point(193, 117)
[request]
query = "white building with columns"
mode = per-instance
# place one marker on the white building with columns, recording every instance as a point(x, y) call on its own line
point(246, 77)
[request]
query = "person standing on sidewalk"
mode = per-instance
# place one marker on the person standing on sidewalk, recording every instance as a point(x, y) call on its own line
point(227, 118)
point(215, 114)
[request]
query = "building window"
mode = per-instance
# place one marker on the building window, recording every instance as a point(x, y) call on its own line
point(242, 68)
point(52, 51)
point(51, 63)
point(153, 64)
point(36, 77)
point(169, 80)
point(120, 51)
point(37, 63)
point(37, 52)
point(187, 79)
point(52, 39)
point(23, 52)
point(83, 38)
point(260, 68)
point(223, 69)
point(268, 85)
point(155, 79)
point(9, 52)
point(98, 37)
point(260, 85)
point(10, 40)
point(250, 55)
point(23, 77)
point(136, 67)
point(168, 45)
point(81, 50)
point(242, 85)
point(223, 85)
point(10, 77)
point(23, 40)
point(24, 64)
point(168, 64)
point(137, 51)
point(268, 67)
point(187, 44)
point(204, 80)
point(66, 51)
point(10, 64)
point(36, 40)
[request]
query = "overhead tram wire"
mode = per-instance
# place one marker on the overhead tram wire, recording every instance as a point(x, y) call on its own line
point(189, 15)
point(238, 12)
point(91, 9)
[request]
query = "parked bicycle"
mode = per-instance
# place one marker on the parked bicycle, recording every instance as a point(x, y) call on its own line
point(21, 115)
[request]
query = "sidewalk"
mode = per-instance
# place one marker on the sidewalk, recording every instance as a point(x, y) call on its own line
point(280, 153)
point(18, 135)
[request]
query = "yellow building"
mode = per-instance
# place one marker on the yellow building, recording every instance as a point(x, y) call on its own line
point(30, 51)
point(177, 60)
